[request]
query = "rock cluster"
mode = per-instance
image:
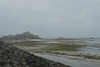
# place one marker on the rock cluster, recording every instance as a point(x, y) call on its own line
point(11, 56)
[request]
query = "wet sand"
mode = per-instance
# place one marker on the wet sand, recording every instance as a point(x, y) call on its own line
point(70, 62)
point(72, 55)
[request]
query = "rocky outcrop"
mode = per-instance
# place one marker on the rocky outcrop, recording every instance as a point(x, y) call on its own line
point(25, 35)
point(11, 56)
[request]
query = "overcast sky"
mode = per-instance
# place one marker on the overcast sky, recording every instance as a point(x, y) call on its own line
point(51, 18)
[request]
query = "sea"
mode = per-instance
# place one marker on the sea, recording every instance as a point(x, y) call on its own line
point(93, 46)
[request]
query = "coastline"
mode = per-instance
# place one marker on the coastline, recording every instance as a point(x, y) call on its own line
point(81, 59)
point(73, 55)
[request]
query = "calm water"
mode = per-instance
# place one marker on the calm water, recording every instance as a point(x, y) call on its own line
point(69, 62)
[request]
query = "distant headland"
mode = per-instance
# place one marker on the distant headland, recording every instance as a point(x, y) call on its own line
point(23, 36)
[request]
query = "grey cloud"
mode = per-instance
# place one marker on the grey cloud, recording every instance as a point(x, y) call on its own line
point(50, 18)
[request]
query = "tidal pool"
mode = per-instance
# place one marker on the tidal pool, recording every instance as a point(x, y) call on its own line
point(73, 63)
